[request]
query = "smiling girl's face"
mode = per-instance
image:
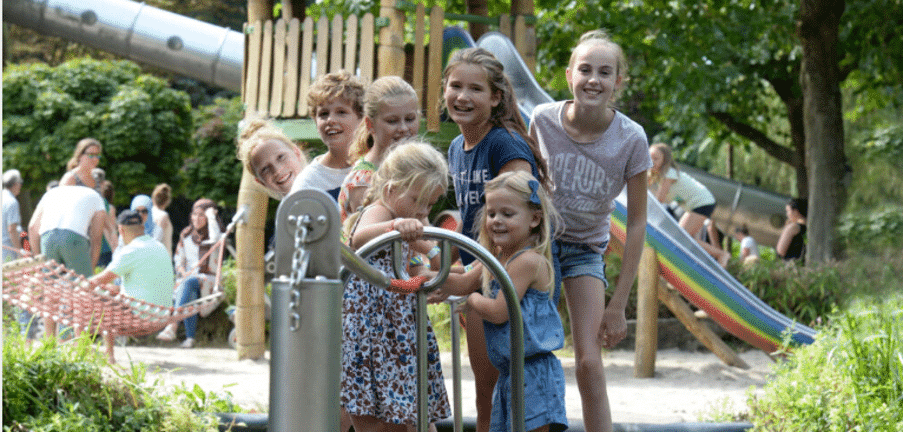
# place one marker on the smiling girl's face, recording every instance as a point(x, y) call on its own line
point(397, 120)
point(276, 165)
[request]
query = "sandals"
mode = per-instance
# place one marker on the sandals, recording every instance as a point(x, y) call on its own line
point(168, 334)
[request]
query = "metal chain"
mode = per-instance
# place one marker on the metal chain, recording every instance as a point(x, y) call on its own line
point(300, 259)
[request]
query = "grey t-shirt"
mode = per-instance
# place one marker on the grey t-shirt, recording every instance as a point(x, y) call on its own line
point(589, 176)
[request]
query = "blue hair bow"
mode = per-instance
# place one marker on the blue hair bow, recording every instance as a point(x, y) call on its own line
point(534, 185)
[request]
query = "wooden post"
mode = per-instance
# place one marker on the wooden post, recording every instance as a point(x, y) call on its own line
point(434, 68)
point(527, 34)
point(249, 241)
point(646, 337)
point(392, 43)
point(703, 333)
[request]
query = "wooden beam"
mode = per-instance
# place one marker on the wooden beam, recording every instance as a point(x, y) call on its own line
point(702, 332)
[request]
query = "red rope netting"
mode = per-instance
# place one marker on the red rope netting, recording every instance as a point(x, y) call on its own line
point(50, 290)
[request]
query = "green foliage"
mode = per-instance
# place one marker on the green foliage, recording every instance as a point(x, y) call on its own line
point(848, 379)
point(49, 386)
point(143, 125)
point(740, 59)
point(211, 169)
point(877, 227)
point(807, 295)
point(230, 280)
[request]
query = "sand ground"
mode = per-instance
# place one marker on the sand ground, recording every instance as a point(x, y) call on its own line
point(687, 386)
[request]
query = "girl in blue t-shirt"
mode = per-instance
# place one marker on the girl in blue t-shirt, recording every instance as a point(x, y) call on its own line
point(480, 99)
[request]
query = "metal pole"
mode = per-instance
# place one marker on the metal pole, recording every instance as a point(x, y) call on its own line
point(306, 325)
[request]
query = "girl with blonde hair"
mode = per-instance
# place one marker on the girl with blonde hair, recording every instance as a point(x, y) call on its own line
point(391, 115)
point(270, 156)
point(379, 383)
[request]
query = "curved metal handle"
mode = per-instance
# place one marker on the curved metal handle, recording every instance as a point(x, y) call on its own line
point(358, 264)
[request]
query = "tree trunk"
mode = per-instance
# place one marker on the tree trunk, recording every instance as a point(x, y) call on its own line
point(823, 126)
point(479, 8)
point(795, 109)
point(250, 311)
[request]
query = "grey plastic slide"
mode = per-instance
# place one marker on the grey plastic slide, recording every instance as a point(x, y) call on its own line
point(737, 204)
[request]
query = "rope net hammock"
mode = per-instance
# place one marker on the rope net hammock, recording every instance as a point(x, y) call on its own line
point(50, 290)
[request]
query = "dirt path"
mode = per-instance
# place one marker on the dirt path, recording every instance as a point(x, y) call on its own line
point(688, 386)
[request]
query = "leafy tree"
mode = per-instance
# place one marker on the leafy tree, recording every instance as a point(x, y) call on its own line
point(144, 126)
point(212, 170)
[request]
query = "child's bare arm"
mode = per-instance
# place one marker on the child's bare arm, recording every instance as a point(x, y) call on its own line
point(377, 220)
point(462, 284)
point(523, 271)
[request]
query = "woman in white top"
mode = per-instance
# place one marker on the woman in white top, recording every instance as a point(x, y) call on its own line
point(669, 183)
point(196, 278)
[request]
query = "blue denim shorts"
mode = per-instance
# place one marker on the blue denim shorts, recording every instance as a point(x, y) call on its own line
point(577, 259)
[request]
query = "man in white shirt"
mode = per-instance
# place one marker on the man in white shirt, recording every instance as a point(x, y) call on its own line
point(144, 265)
point(67, 227)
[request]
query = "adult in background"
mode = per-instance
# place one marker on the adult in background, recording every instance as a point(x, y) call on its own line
point(142, 205)
point(12, 242)
point(197, 277)
point(161, 198)
point(142, 263)
point(671, 184)
point(12, 217)
point(84, 159)
point(69, 221)
point(793, 238)
point(111, 238)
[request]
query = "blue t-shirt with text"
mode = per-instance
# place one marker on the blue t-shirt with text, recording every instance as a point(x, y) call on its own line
point(471, 169)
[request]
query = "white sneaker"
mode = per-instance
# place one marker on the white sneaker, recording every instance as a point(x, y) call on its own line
point(189, 343)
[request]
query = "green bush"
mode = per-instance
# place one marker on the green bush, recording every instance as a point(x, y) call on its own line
point(211, 169)
point(68, 387)
point(848, 379)
point(805, 294)
point(144, 126)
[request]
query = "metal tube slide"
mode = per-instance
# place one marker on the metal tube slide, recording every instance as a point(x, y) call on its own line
point(142, 33)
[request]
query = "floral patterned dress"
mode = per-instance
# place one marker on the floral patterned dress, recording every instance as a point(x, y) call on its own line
point(379, 353)
point(360, 176)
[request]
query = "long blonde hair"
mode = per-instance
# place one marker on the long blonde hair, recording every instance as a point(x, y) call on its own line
point(668, 161)
point(601, 37)
point(80, 148)
point(535, 198)
point(256, 132)
point(375, 97)
point(410, 164)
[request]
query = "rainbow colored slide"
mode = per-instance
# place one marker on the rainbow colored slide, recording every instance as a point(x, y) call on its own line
point(701, 280)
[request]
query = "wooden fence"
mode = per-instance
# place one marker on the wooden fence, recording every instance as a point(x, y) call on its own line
point(284, 57)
